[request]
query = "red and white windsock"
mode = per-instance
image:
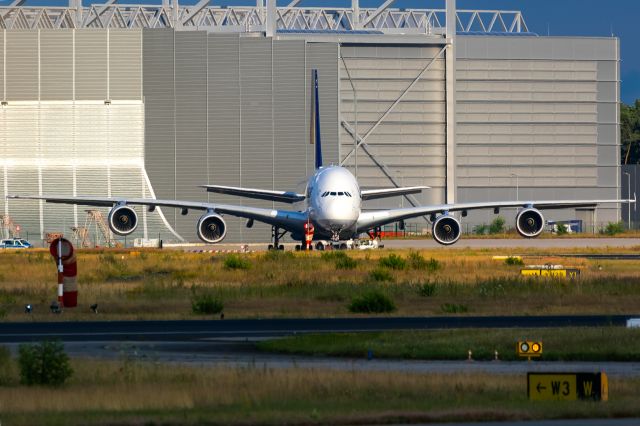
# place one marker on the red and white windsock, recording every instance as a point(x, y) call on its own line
point(65, 257)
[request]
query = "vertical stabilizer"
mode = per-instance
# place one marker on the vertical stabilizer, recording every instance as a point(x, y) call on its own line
point(315, 119)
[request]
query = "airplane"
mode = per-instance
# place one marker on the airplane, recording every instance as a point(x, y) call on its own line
point(332, 204)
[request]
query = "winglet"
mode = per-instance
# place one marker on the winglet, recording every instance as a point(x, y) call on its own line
point(315, 119)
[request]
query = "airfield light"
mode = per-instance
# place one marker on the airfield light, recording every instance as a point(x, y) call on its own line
point(28, 308)
point(94, 308)
point(529, 349)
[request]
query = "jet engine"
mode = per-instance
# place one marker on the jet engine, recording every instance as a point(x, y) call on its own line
point(446, 230)
point(211, 228)
point(123, 220)
point(529, 223)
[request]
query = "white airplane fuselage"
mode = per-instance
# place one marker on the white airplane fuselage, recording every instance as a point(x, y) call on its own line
point(333, 200)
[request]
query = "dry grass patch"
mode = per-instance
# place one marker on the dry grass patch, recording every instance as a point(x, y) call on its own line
point(156, 284)
point(127, 392)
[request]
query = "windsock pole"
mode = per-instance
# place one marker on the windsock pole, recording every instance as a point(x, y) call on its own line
point(60, 275)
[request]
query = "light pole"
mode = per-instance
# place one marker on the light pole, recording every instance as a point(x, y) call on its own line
point(517, 188)
point(628, 198)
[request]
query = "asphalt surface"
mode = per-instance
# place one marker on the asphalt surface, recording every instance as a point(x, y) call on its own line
point(518, 243)
point(168, 331)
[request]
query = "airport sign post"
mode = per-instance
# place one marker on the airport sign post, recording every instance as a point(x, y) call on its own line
point(567, 386)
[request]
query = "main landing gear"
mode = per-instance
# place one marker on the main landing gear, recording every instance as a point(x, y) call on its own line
point(276, 235)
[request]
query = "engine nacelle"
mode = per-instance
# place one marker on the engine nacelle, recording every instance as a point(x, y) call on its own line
point(211, 228)
point(123, 220)
point(446, 230)
point(529, 223)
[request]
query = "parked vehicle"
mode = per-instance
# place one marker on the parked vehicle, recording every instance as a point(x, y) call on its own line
point(15, 243)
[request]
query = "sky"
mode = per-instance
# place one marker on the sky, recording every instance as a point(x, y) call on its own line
point(554, 17)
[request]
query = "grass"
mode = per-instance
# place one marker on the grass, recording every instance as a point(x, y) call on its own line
point(157, 284)
point(129, 392)
point(559, 344)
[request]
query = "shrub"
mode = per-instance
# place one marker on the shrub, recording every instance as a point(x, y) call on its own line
point(497, 226)
point(393, 261)
point(374, 302)
point(333, 255)
point(44, 364)
point(346, 263)
point(561, 229)
point(206, 304)
point(481, 229)
point(511, 260)
point(416, 261)
point(234, 261)
point(277, 255)
point(427, 290)
point(454, 308)
point(380, 274)
point(613, 228)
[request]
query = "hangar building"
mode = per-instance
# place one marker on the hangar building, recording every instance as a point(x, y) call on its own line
point(154, 100)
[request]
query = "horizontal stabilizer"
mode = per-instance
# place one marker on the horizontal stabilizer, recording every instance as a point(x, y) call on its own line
point(260, 194)
point(373, 194)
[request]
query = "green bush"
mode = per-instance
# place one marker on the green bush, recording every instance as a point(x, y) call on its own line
point(514, 261)
point(613, 228)
point(454, 308)
point(561, 229)
point(346, 263)
point(372, 303)
point(393, 261)
point(206, 304)
point(380, 275)
point(233, 261)
point(277, 255)
point(427, 290)
point(481, 229)
point(416, 261)
point(333, 255)
point(44, 364)
point(497, 226)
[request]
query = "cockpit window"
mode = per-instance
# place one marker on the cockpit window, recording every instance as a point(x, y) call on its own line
point(333, 194)
point(348, 195)
point(325, 194)
point(340, 194)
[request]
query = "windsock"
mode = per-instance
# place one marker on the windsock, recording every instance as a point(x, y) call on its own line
point(65, 257)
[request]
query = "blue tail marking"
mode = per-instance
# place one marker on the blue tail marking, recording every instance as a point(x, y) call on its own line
point(316, 120)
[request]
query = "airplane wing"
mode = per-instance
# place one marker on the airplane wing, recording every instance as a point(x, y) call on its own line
point(373, 194)
point(372, 219)
point(261, 194)
point(281, 218)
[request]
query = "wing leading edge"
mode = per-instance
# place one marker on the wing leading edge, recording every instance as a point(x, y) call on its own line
point(281, 218)
point(373, 194)
point(261, 194)
point(372, 219)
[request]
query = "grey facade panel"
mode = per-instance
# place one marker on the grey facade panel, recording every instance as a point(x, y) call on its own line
point(91, 55)
point(191, 122)
point(22, 65)
point(324, 58)
point(223, 135)
point(256, 103)
point(2, 55)
point(56, 65)
point(125, 64)
point(291, 136)
point(159, 103)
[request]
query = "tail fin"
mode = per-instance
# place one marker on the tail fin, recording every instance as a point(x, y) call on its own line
point(315, 119)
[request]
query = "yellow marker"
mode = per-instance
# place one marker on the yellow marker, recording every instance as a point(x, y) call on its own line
point(527, 348)
point(561, 273)
point(567, 386)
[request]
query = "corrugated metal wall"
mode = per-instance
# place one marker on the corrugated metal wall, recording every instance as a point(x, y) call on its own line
point(410, 141)
point(237, 115)
point(541, 109)
point(58, 134)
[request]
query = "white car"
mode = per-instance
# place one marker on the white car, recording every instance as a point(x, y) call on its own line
point(15, 243)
